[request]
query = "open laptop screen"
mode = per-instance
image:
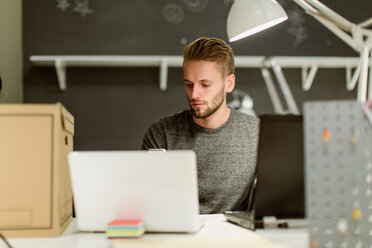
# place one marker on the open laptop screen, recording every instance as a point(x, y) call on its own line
point(280, 168)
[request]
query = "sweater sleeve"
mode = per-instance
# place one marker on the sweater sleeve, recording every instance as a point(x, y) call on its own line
point(155, 137)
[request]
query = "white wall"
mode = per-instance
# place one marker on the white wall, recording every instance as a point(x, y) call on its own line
point(11, 51)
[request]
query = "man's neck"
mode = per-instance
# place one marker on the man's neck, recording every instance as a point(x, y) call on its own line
point(216, 120)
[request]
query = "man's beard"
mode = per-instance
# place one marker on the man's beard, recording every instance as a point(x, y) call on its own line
point(210, 110)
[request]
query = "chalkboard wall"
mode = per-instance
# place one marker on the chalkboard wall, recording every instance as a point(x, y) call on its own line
point(113, 107)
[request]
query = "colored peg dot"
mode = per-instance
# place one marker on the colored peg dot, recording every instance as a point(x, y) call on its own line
point(326, 135)
point(315, 244)
point(357, 214)
point(342, 226)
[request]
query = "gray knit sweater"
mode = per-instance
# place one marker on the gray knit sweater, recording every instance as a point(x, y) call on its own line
point(226, 156)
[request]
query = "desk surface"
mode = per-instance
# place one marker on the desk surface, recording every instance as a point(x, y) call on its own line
point(214, 226)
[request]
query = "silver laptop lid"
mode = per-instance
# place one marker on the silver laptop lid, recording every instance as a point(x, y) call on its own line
point(158, 187)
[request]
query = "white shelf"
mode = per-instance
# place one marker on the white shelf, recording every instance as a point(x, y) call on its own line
point(60, 62)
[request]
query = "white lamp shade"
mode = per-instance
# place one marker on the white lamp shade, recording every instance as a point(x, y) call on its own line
point(247, 17)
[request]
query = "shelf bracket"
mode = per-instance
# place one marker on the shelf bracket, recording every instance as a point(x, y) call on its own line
point(163, 74)
point(352, 80)
point(308, 76)
point(60, 66)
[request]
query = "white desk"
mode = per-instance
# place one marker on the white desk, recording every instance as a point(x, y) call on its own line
point(214, 225)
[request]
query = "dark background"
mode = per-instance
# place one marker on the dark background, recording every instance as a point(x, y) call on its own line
point(113, 107)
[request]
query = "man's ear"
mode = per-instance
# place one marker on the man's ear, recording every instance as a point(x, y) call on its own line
point(230, 83)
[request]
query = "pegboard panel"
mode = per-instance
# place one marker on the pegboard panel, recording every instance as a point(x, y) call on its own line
point(338, 174)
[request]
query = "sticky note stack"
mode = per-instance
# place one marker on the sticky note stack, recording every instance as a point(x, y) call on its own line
point(125, 229)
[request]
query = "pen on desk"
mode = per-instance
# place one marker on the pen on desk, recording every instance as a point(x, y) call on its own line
point(5, 241)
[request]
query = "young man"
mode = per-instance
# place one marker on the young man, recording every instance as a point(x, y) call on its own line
point(224, 140)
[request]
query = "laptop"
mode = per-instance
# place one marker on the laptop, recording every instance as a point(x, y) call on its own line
point(157, 187)
point(276, 196)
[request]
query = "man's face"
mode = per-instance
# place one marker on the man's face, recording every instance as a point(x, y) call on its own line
point(205, 87)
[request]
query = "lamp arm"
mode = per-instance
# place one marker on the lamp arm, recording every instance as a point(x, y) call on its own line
point(366, 23)
point(347, 38)
point(317, 7)
point(363, 83)
point(306, 6)
point(356, 36)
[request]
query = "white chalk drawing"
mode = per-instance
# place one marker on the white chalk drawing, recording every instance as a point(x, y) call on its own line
point(297, 27)
point(196, 5)
point(183, 41)
point(173, 13)
point(82, 7)
point(63, 5)
point(296, 21)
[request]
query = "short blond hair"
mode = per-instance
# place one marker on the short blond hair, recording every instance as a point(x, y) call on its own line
point(211, 49)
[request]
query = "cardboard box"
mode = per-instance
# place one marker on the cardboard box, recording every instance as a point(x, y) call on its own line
point(35, 187)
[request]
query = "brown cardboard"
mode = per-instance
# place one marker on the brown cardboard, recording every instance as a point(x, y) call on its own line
point(35, 187)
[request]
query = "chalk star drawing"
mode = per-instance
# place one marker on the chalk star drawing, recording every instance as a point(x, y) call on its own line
point(63, 4)
point(82, 7)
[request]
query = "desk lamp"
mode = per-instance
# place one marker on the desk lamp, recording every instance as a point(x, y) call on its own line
point(331, 223)
point(247, 17)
